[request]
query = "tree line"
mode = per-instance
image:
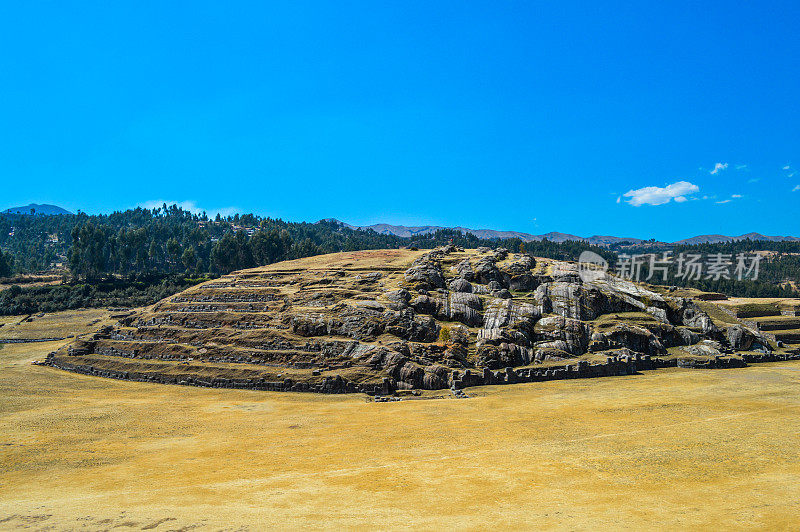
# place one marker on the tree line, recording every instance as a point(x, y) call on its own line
point(169, 241)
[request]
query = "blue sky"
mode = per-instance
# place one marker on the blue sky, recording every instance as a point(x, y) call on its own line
point(661, 121)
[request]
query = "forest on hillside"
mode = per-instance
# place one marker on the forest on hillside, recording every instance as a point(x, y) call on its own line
point(170, 240)
point(108, 259)
point(141, 255)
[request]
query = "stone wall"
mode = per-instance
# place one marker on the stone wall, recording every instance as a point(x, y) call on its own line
point(613, 366)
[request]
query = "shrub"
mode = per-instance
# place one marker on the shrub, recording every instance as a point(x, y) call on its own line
point(444, 335)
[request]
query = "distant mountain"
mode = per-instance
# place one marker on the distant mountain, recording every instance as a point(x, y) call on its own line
point(35, 208)
point(715, 239)
point(409, 231)
point(598, 240)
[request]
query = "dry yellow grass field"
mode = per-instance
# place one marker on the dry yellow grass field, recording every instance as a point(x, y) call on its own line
point(54, 325)
point(668, 449)
point(375, 259)
point(734, 301)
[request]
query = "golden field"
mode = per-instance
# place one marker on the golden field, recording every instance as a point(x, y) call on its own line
point(700, 449)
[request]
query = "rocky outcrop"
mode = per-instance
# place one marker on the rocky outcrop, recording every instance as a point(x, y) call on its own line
point(634, 296)
point(572, 299)
point(464, 270)
point(486, 271)
point(410, 322)
point(504, 355)
point(510, 321)
point(524, 282)
point(697, 319)
point(404, 324)
point(425, 273)
point(461, 285)
point(563, 334)
point(745, 339)
point(453, 306)
point(399, 297)
point(636, 338)
point(362, 323)
point(706, 348)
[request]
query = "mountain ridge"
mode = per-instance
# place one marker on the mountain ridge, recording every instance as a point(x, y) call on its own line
point(554, 236)
point(35, 208)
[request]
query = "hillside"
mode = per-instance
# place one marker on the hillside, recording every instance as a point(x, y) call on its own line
point(35, 208)
point(377, 321)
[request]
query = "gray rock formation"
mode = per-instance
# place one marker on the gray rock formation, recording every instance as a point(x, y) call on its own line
point(449, 318)
point(461, 285)
point(562, 333)
point(745, 339)
point(452, 306)
point(425, 273)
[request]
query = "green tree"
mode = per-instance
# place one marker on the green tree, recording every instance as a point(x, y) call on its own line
point(5, 266)
point(174, 252)
point(90, 250)
point(232, 252)
point(189, 258)
point(267, 247)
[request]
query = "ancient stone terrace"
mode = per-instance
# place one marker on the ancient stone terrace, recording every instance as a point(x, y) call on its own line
point(377, 321)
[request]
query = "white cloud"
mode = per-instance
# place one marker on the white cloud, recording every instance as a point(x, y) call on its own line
point(791, 175)
point(619, 199)
point(718, 168)
point(741, 167)
point(796, 188)
point(786, 167)
point(190, 206)
point(754, 180)
point(733, 197)
point(661, 195)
